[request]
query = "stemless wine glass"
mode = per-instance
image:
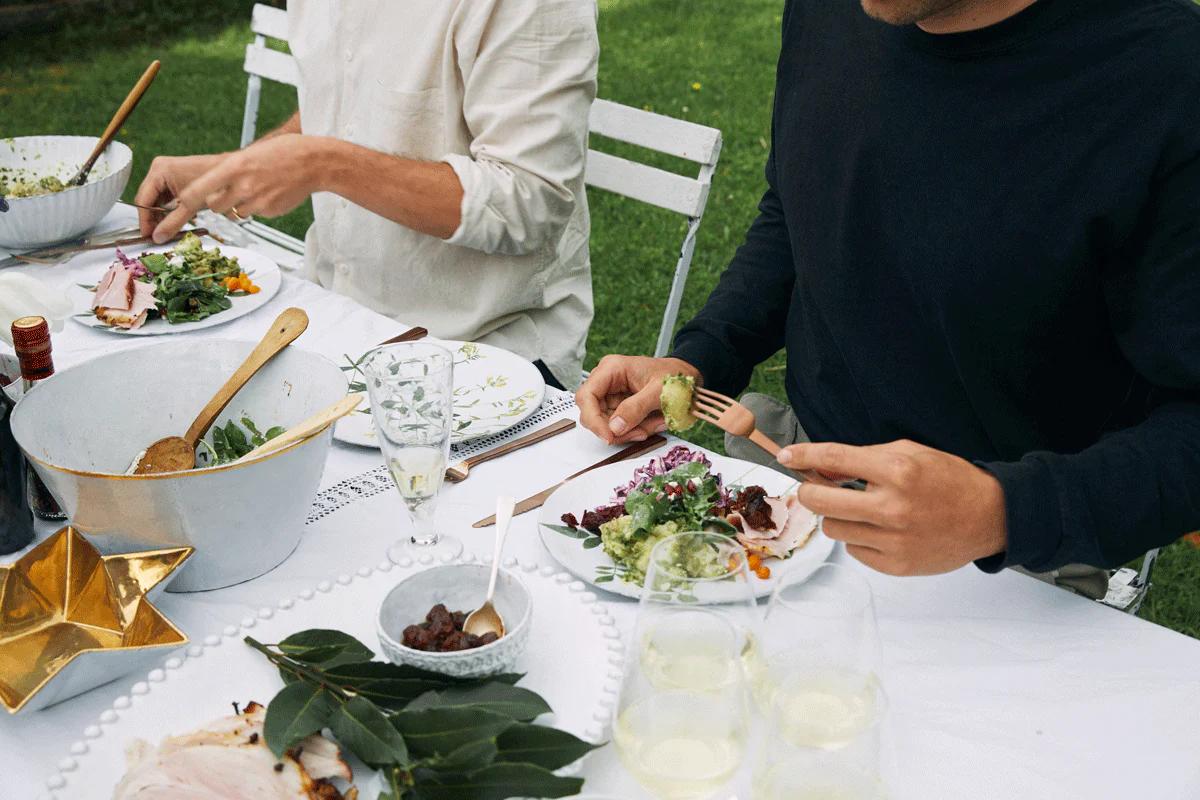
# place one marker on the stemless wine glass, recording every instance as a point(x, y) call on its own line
point(683, 718)
point(411, 386)
point(816, 679)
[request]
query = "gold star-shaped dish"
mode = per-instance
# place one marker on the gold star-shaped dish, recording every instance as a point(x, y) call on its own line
point(72, 619)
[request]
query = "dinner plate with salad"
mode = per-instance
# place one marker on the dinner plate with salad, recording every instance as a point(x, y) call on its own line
point(602, 525)
point(184, 287)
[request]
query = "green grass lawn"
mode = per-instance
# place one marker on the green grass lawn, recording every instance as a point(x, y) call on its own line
point(710, 61)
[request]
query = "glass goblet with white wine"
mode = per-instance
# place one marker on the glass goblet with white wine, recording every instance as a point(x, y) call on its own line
point(683, 719)
point(411, 386)
point(816, 680)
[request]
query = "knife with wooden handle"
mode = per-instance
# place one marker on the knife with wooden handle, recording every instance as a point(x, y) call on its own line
point(536, 501)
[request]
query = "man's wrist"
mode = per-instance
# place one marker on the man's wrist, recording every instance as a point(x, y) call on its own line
point(994, 537)
point(328, 159)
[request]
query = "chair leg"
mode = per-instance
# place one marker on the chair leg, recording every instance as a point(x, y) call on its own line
point(1127, 589)
point(682, 267)
point(250, 115)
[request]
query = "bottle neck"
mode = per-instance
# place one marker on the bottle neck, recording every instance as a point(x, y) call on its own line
point(31, 340)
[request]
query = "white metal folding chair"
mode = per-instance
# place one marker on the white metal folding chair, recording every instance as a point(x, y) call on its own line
point(642, 182)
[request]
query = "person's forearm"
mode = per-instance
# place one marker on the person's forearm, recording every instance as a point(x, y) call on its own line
point(291, 125)
point(1133, 490)
point(423, 195)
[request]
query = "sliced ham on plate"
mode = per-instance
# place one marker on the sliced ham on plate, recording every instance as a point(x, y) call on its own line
point(792, 525)
point(121, 299)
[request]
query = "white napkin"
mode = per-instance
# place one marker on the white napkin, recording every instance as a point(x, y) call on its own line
point(23, 296)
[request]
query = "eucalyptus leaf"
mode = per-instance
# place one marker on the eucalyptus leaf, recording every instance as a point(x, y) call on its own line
point(361, 727)
point(495, 782)
point(565, 530)
point(298, 711)
point(434, 731)
point(592, 543)
point(513, 702)
point(545, 747)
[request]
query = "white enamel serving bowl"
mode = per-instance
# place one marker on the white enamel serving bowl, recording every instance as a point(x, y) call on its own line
point(83, 427)
point(459, 587)
point(39, 221)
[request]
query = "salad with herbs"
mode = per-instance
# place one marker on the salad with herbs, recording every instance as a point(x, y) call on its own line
point(680, 492)
point(230, 442)
point(185, 284)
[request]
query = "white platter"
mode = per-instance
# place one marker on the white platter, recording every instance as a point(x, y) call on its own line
point(493, 391)
point(595, 488)
point(262, 270)
point(579, 678)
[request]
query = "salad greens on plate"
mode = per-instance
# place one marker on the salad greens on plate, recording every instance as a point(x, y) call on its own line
point(679, 492)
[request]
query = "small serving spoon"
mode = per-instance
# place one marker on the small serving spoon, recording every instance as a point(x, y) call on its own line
point(110, 133)
point(486, 619)
point(176, 453)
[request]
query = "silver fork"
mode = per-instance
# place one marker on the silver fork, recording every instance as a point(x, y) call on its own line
point(734, 418)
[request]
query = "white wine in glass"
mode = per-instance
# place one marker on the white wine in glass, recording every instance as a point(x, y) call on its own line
point(411, 386)
point(681, 744)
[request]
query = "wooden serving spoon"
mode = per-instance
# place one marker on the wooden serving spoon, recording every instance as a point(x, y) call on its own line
point(175, 453)
point(302, 430)
point(486, 619)
point(110, 133)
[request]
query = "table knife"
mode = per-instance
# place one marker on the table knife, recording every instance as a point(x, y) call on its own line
point(535, 501)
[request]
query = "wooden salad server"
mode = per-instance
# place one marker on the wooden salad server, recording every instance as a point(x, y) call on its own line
point(302, 430)
point(110, 133)
point(176, 453)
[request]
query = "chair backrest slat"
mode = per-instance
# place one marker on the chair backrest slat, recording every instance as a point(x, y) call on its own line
point(663, 134)
point(272, 64)
point(645, 183)
point(269, 21)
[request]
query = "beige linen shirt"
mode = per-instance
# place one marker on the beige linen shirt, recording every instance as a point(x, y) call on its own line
point(500, 91)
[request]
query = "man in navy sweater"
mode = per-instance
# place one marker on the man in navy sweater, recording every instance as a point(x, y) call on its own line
point(980, 247)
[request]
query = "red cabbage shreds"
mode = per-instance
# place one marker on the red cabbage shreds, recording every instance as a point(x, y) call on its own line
point(661, 465)
point(135, 266)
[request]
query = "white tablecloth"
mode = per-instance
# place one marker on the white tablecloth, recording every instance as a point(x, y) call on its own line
point(1000, 686)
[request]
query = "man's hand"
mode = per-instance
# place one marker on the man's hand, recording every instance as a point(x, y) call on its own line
point(619, 400)
point(924, 511)
point(166, 180)
point(270, 177)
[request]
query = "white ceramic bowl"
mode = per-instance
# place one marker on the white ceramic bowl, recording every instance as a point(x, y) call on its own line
point(460, 587)
point(39, 221)
point(83, 427)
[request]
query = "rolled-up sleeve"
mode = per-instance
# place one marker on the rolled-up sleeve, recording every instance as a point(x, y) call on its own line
point(529, 74)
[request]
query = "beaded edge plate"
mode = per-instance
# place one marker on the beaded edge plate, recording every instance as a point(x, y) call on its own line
point(193, 687)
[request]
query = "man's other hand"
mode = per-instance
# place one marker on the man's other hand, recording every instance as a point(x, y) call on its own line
point(924, 511)
point(166, 180)
point(619, 400)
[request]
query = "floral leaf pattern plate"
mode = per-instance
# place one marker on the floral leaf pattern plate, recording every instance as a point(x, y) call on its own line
point(493, 391)
point(581, 554)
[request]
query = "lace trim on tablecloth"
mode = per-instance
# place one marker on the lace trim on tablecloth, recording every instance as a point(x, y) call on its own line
point(558, 404)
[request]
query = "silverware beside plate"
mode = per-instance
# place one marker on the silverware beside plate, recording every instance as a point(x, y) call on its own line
point(535, 501)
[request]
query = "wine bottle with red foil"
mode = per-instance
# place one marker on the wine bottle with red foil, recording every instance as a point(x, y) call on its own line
point(31, 340)
point(16, 518)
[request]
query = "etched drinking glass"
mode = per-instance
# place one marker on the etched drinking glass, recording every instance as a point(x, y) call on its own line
point(411, 386)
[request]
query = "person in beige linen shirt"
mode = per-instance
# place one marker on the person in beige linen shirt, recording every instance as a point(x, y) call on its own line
point(443, 144)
